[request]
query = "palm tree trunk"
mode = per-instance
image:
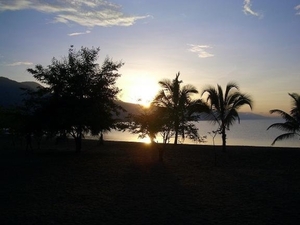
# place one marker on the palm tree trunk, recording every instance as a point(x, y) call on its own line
point(176, 132)
point(223, 139)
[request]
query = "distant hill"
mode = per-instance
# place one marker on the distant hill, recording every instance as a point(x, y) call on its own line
point(132, 108)
point(31, 84)
point(253, 116)
point(11, 92)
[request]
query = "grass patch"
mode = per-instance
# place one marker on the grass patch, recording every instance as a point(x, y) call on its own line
point(124, 183)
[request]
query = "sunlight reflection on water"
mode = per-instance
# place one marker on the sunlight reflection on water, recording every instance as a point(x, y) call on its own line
point(247, 133)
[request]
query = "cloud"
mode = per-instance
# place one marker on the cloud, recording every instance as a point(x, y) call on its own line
point(247, 9)
point(298, 9)
point(20, 64)
point(87, 13)
point(200, 50)
point(79, 33)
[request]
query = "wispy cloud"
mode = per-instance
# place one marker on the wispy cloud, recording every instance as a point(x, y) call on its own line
point(79, 33)
point(20, 64)
point(297, 8)
point(201, 50)
point(87, 13)
point(248, 11)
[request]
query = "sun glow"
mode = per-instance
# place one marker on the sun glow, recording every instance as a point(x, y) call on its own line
point(143, 94)
point(140, 90)
point(146, 140)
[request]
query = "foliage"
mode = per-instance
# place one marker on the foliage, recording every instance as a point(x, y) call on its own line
point(147, 123)
point(292, 121)
point(78, 95)
point(14, 120)
point(2, 120)
point(180, 107)
point(224, 106)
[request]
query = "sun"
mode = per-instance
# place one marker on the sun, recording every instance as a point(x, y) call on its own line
point(144, 94)
point(141, 91)
point(146, 140)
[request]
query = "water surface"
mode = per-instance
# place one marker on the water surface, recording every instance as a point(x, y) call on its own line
point(247, 133)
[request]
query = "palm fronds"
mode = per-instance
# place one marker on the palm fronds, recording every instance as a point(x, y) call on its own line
point(284, 137)
point(292, 120)
point(224, 106)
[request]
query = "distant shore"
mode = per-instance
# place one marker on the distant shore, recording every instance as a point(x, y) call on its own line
point(19, 144)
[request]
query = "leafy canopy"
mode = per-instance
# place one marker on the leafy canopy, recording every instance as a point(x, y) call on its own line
point(78, 95)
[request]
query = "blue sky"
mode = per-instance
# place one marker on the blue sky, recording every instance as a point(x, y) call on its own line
point(255, 43)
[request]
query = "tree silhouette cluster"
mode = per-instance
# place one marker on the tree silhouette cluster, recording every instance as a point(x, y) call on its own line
point(78, 95)
point(176, 111)
point(181, 109)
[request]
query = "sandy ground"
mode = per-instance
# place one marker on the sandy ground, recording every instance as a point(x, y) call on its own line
point(124, 183)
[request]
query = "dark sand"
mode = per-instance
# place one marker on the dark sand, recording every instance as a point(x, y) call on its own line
point(123, 183)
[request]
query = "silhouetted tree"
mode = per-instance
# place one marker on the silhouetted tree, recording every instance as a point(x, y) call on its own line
point(150, 121)
point(166, 130)
point(2, 120)
point(145, 124)
point(180, 107)
point(79, 94)
point(224, 106)
point(292, 121)
point(16, 122)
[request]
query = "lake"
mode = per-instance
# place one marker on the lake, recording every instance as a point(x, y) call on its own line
point(247, 133)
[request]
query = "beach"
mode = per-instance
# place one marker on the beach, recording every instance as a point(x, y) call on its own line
point(125, 183)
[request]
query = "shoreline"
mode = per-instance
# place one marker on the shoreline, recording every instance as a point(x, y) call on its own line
point(20, 145)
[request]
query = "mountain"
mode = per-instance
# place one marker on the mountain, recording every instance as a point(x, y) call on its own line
point(31, 84)
point(132, 108)
point(253, 116)
point(11, 92)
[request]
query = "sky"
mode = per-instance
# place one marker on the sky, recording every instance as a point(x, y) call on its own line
point(255, 43)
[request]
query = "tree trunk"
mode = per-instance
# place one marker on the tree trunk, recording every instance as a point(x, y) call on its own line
point(101, 140)
point(176, 132)
point(78, 139)
point(223, 139)
point(176, 137)
point(152, 138)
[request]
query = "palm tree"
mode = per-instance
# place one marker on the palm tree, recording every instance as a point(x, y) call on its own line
point(180, 106)
point(224, 106)
point(292, 120)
